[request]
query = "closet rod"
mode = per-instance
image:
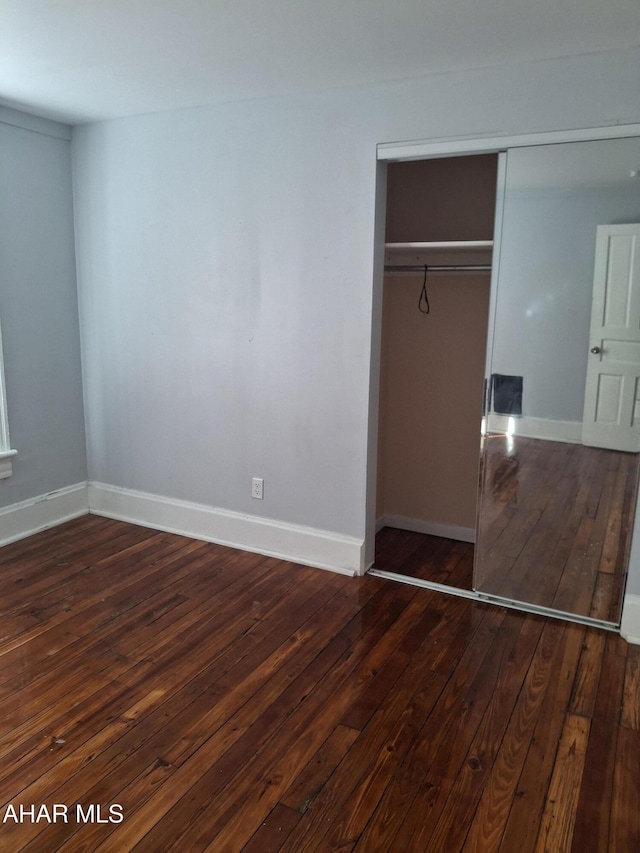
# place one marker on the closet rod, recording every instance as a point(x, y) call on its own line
point(438, 268)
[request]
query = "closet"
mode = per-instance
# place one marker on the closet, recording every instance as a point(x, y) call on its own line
point(438, 248)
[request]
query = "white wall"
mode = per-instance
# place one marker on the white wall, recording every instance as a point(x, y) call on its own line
point(225, 261)
point(38, 308)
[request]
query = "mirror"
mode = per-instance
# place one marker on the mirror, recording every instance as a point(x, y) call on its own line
point(555, 514)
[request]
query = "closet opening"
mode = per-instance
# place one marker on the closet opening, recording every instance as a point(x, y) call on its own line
point(553, 465)
point(439, 230)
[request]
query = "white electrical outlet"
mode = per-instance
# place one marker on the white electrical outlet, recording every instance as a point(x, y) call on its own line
point(257, 488)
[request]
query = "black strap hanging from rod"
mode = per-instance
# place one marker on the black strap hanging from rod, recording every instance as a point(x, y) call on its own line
point(423, 301)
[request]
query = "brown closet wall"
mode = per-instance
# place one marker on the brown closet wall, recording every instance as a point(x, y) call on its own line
point(433, 366)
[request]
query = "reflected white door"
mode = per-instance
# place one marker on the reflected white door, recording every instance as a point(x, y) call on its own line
point(612, 394)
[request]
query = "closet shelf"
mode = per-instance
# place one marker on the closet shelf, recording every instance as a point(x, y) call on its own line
point(446, 245)
point(442, 255)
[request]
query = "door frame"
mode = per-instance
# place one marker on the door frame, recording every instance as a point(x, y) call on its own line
point(388, 152)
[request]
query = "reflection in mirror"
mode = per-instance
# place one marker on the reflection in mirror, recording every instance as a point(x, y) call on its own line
point(555, 524)
point(558, 481)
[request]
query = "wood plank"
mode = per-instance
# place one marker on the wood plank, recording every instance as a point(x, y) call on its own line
point(489, 821)
point(451, 810)
point(304, 789)
point(523, 822)
point(591, 829)
point(559, 815)
point(631, 696)
point(463, 694)
point(274, 831)
point(586, 682)
point(375, 685)
point(625, 807)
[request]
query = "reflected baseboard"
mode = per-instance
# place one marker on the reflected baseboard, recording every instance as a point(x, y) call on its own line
point(542, 428)
point(431, 528)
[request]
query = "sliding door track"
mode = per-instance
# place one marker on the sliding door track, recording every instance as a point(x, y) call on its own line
point(485, 598)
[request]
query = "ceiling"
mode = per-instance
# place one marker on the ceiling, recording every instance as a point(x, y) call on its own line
point(85, 60)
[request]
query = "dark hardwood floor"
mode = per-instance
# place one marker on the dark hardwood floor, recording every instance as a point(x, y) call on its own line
point(429, 558)
point(232, 702)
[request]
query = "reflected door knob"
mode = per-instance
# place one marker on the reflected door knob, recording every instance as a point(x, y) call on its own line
point(595, 350)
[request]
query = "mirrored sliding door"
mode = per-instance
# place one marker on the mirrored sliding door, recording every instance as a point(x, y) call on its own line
point(555, 511)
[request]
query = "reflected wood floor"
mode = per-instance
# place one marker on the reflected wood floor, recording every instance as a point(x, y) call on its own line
point(555, 524)
point(233, 702)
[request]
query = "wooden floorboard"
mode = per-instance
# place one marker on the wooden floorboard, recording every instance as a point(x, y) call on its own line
point(429, 558)
point(226, 701)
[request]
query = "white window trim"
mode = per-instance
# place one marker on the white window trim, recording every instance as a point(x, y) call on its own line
point(6, 453)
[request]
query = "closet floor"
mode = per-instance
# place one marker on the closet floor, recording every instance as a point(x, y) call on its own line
point(429, 558)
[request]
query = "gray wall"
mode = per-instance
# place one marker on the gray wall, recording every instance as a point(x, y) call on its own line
point(38, 308)
point(225, 263)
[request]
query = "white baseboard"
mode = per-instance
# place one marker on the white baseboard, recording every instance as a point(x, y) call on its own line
point(630, 625)
point(31, 516)
point(318, 548)
point(432, 528)
point(569, 432)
